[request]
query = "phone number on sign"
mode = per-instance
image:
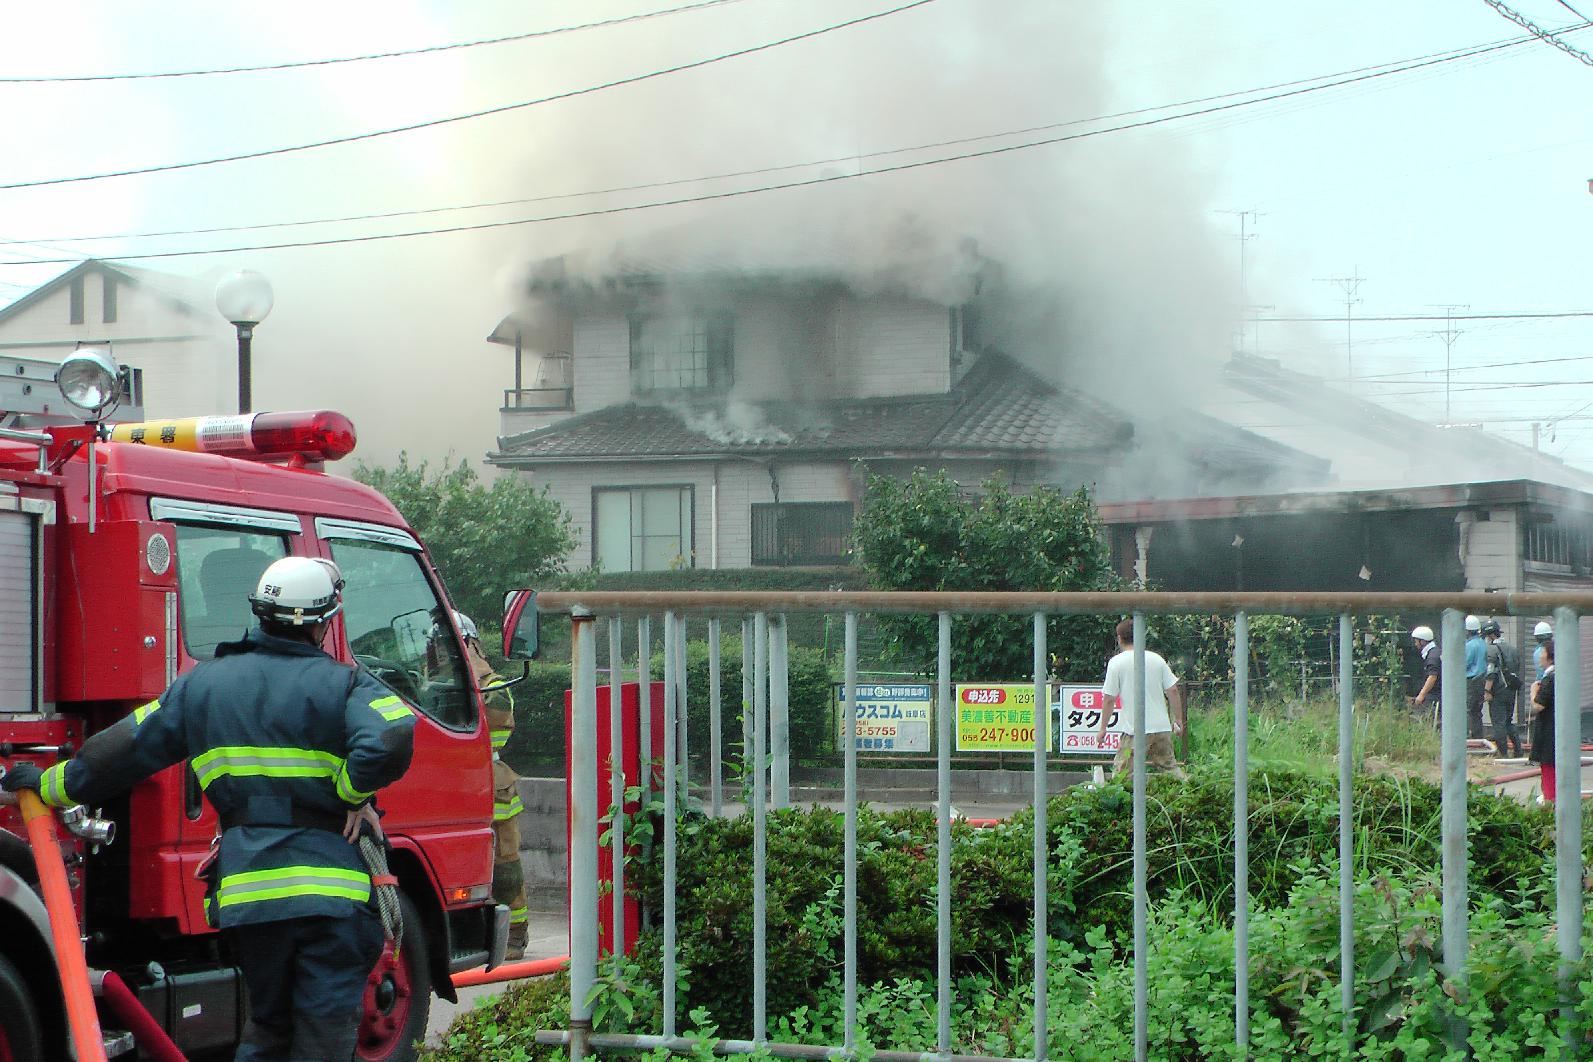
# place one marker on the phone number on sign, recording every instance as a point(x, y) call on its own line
point(997, 735)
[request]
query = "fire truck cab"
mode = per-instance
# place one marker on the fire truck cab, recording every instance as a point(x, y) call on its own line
point(126, 557)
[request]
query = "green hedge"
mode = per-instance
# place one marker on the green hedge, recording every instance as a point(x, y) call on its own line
point(537, 745)
point(1293, 828)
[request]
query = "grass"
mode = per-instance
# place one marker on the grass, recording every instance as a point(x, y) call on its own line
point(1305, 737)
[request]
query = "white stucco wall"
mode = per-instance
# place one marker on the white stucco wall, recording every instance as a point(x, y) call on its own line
point(189, 358)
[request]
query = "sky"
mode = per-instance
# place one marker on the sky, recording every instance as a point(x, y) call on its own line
point(1462, 185)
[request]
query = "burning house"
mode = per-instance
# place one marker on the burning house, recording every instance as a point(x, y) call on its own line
point(691, 416)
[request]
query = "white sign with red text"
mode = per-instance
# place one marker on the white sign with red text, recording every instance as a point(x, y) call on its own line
point(1076, 719)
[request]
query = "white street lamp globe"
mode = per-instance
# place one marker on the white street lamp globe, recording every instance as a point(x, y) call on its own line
point(244, 297)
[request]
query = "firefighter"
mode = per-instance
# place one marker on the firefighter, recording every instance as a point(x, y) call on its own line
point(290, 746)
point(508, 876)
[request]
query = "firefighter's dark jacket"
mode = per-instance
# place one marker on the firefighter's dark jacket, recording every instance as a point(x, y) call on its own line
point(279, 734)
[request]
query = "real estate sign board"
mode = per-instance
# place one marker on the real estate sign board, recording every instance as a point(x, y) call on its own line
point(996, 717)
point(1075, 718)
point(891, 716)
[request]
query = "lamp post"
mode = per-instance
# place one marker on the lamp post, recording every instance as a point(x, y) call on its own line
point(244, 298)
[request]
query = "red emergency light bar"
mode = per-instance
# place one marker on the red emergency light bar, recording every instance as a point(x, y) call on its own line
point(310, 435)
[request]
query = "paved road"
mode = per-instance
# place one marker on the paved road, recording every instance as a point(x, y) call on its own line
point(550, 936)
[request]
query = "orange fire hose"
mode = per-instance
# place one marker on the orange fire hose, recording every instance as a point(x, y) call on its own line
point(511, 972)
point(80, 1013)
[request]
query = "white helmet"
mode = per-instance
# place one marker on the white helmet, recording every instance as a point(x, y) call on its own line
point(298, 590)
point(1474, 623)
point(1542, 631)
point(1422, 634)
point(466, 625)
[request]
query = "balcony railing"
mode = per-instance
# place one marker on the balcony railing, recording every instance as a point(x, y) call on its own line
point(538, 399)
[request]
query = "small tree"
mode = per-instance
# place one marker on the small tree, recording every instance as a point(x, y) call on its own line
point(924, 533)
point(484, 540)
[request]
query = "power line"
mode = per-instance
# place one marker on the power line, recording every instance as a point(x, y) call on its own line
point(1456, 53)
point(432, 49)
point(811, 181)
point(1374, 378)
point(434, 122)
point(1434, 317)
point(1539, 32)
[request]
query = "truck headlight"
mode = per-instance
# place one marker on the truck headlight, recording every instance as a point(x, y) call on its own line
point(88, 379)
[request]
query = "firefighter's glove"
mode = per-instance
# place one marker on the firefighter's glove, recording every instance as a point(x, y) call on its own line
point(22, 776)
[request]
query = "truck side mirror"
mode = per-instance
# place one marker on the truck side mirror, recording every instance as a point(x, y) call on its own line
point(521, 625)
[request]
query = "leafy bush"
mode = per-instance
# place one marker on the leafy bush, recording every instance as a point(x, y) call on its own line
point(483, 539)
point(503, 1029)
point(923, 533)
point(1404, 1001)
point(537, 744)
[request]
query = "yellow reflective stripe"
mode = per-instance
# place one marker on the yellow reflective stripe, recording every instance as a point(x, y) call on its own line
point(391, 709)
point(507, 809)
point(239, 761)
point(500, 738)
point(518, 915)
point(292, 882)
point(144, 712)
point(345, 789)
point(52, 787)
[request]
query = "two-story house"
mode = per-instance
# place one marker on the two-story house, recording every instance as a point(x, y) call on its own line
point(159, 323)
point(724, 420)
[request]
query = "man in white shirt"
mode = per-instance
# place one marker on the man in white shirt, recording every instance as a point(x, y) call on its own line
point(1161, 687)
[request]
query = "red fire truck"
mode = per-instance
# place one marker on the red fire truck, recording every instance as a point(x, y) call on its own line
point(126, 555)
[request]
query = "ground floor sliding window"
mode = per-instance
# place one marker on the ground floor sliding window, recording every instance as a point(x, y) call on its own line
point(642, 529)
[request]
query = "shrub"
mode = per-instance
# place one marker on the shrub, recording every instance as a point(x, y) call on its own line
point(1293, 829)
point(503, 1029)
point(537, 744)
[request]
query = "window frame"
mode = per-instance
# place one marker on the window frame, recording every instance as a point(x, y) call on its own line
point(181, 514)
point(719, 341)
point(688, 539)
point(332, 531)
point(805, 562)
point(108, 288)
point(75, 299)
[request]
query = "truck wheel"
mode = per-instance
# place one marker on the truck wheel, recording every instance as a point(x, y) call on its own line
point(20, 1037)
point(397, 996)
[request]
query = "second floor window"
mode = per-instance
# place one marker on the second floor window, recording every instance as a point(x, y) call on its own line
point(681, 353)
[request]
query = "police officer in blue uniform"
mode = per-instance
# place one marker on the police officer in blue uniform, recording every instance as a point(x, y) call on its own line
point(290, 747)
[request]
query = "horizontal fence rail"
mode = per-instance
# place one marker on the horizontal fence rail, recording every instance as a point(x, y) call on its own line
point(765, 787)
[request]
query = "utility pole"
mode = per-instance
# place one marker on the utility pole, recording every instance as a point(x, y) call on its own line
point(1449, 334)
point(1349, 285)
point(1247, 219)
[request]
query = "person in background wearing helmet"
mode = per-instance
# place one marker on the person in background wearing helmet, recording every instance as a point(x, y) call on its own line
point(1500, 688)
point(290, 747)
point(1542, 724)
point(508, 875)
point(1476, 675)
point(1423, 637)
point(1543, 634)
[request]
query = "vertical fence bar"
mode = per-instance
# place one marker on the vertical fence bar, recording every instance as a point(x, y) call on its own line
point(1452, 820)
point(1141, 934)
point(671, 633)
point(644, 703)
point(1042, 720)
point(849, 857)
point(760, 840)
point(682, 710)
point(1568, 805)
point(616, 772)
point(747, 758)
point(779, 714)
point(1346, 829)
point(583, 829)
point(943, 714)
point(1241, 832)
point(715, 725)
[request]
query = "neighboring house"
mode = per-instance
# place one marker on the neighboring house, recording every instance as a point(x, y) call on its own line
point(186, 353)
point(722, 420)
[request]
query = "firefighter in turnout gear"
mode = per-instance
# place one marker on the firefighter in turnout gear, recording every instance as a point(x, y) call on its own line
point(290, 747)
point(508, 876)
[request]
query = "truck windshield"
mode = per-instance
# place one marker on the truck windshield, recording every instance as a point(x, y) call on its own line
point(217, 569)
point(399, 630)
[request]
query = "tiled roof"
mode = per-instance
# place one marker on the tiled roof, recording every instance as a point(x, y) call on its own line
point(999, 407)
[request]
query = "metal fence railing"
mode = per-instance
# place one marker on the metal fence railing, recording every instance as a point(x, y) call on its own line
point(761, 615)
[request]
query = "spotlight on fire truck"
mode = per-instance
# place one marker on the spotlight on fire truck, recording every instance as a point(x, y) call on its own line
point(88, 379)
point(311, 435)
